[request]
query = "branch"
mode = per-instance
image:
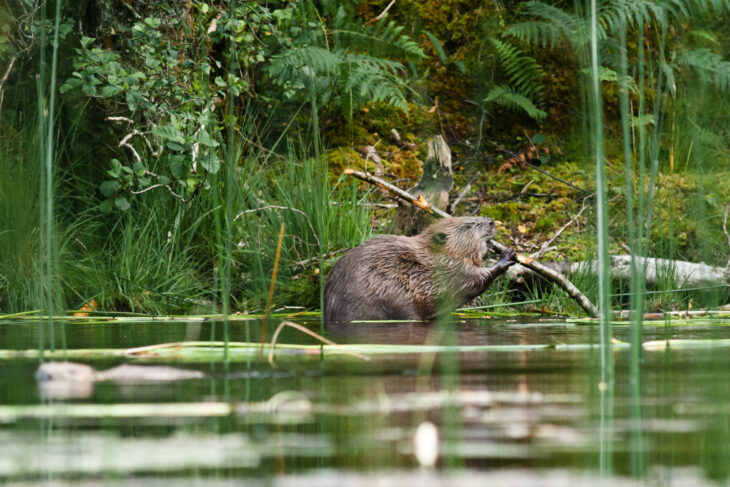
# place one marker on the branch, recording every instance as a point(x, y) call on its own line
point(419, 201)
point(529, 262)
point(724, 230)
point(383, 12)
point(517, 156)
point(7, 72)
point(545, 247)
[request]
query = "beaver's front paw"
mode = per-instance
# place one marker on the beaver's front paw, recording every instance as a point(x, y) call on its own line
point(508, 257)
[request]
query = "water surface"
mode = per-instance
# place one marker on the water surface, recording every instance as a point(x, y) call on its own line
point(524, 417)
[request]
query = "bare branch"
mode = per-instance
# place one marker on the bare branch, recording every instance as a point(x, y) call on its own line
point(121, 119)
point(546, 246)
point(458, 199)
point(125, 140)
point(384, 11)
point(7, 72)
point(724, 230)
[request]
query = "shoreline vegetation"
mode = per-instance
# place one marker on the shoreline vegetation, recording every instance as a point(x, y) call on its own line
point(180, 150)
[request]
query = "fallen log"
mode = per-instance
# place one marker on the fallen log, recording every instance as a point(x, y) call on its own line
point(535, 266)
point(685, 274)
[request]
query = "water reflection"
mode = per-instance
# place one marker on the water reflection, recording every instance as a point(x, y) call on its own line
point(524, 415)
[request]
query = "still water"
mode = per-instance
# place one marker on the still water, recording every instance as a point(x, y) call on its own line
point(517, 417)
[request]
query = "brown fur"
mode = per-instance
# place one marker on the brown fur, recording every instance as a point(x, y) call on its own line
point(410, 278)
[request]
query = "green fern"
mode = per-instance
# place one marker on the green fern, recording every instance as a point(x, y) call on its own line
point(708, 65)
point(363, 63)
point(384, 39)
point(552, 25)
point(509, 98)
point(317, 59)
point(524, 72)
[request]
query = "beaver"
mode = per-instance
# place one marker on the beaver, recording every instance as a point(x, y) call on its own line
point(392, 277)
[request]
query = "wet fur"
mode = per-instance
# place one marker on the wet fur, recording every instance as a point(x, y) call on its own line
point(410, 278)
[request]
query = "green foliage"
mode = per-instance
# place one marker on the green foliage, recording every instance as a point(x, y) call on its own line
point(506, 96)
point(163, 82)
point(524, 72)
point(362, 65)
point(20, 288)
point(708, 65)
point(319, 217)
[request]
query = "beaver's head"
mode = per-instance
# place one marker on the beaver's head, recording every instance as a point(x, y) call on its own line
point(463, 237)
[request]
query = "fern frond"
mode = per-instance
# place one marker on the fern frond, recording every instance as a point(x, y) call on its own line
point(363, 82)
point(554, 25)
point(611, 76)
point(383, 39)
point(321, 61)
point(437, 46)
point(507, 97)
point(524, 72)
point(708, 65)
point(634, 13)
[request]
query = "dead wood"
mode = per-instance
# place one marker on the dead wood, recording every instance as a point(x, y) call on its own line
point(434, 186)
point(685, 274)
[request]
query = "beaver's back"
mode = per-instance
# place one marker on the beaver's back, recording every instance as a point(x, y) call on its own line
point(387, 277)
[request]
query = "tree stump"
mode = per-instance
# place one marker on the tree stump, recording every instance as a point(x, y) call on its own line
point(435, 184)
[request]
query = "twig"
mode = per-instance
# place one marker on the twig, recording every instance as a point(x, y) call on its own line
point(328, 255)
point(418, 201)
point(169, 189)
point(724, 230)
point(7, 72)
point(274, 207)
point(544, 248)
point(383, 12)
point(150, 348)
point(528, 163)
point(270, 297)
point(528, 262)
point(458, 199)
point(4, 79)
point(309, 332)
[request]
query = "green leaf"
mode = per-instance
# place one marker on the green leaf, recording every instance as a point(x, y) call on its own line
point(139, 169)
point(133, 98)
point(210, 163)
point(108, 188)
point(204, 138)
point(144, 182)
point(106, 206)
point(437, 46)
point(86, 42)
point(538, 139)
point(122, 203)
point(116, 169)
point(168, 132)
point(178, 168)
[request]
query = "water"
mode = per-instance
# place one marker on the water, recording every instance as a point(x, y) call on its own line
point(525, 417)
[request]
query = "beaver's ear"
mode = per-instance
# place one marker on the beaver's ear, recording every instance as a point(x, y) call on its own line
point(439, 238)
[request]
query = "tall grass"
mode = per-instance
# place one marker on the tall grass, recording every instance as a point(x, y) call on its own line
point(20, 288)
